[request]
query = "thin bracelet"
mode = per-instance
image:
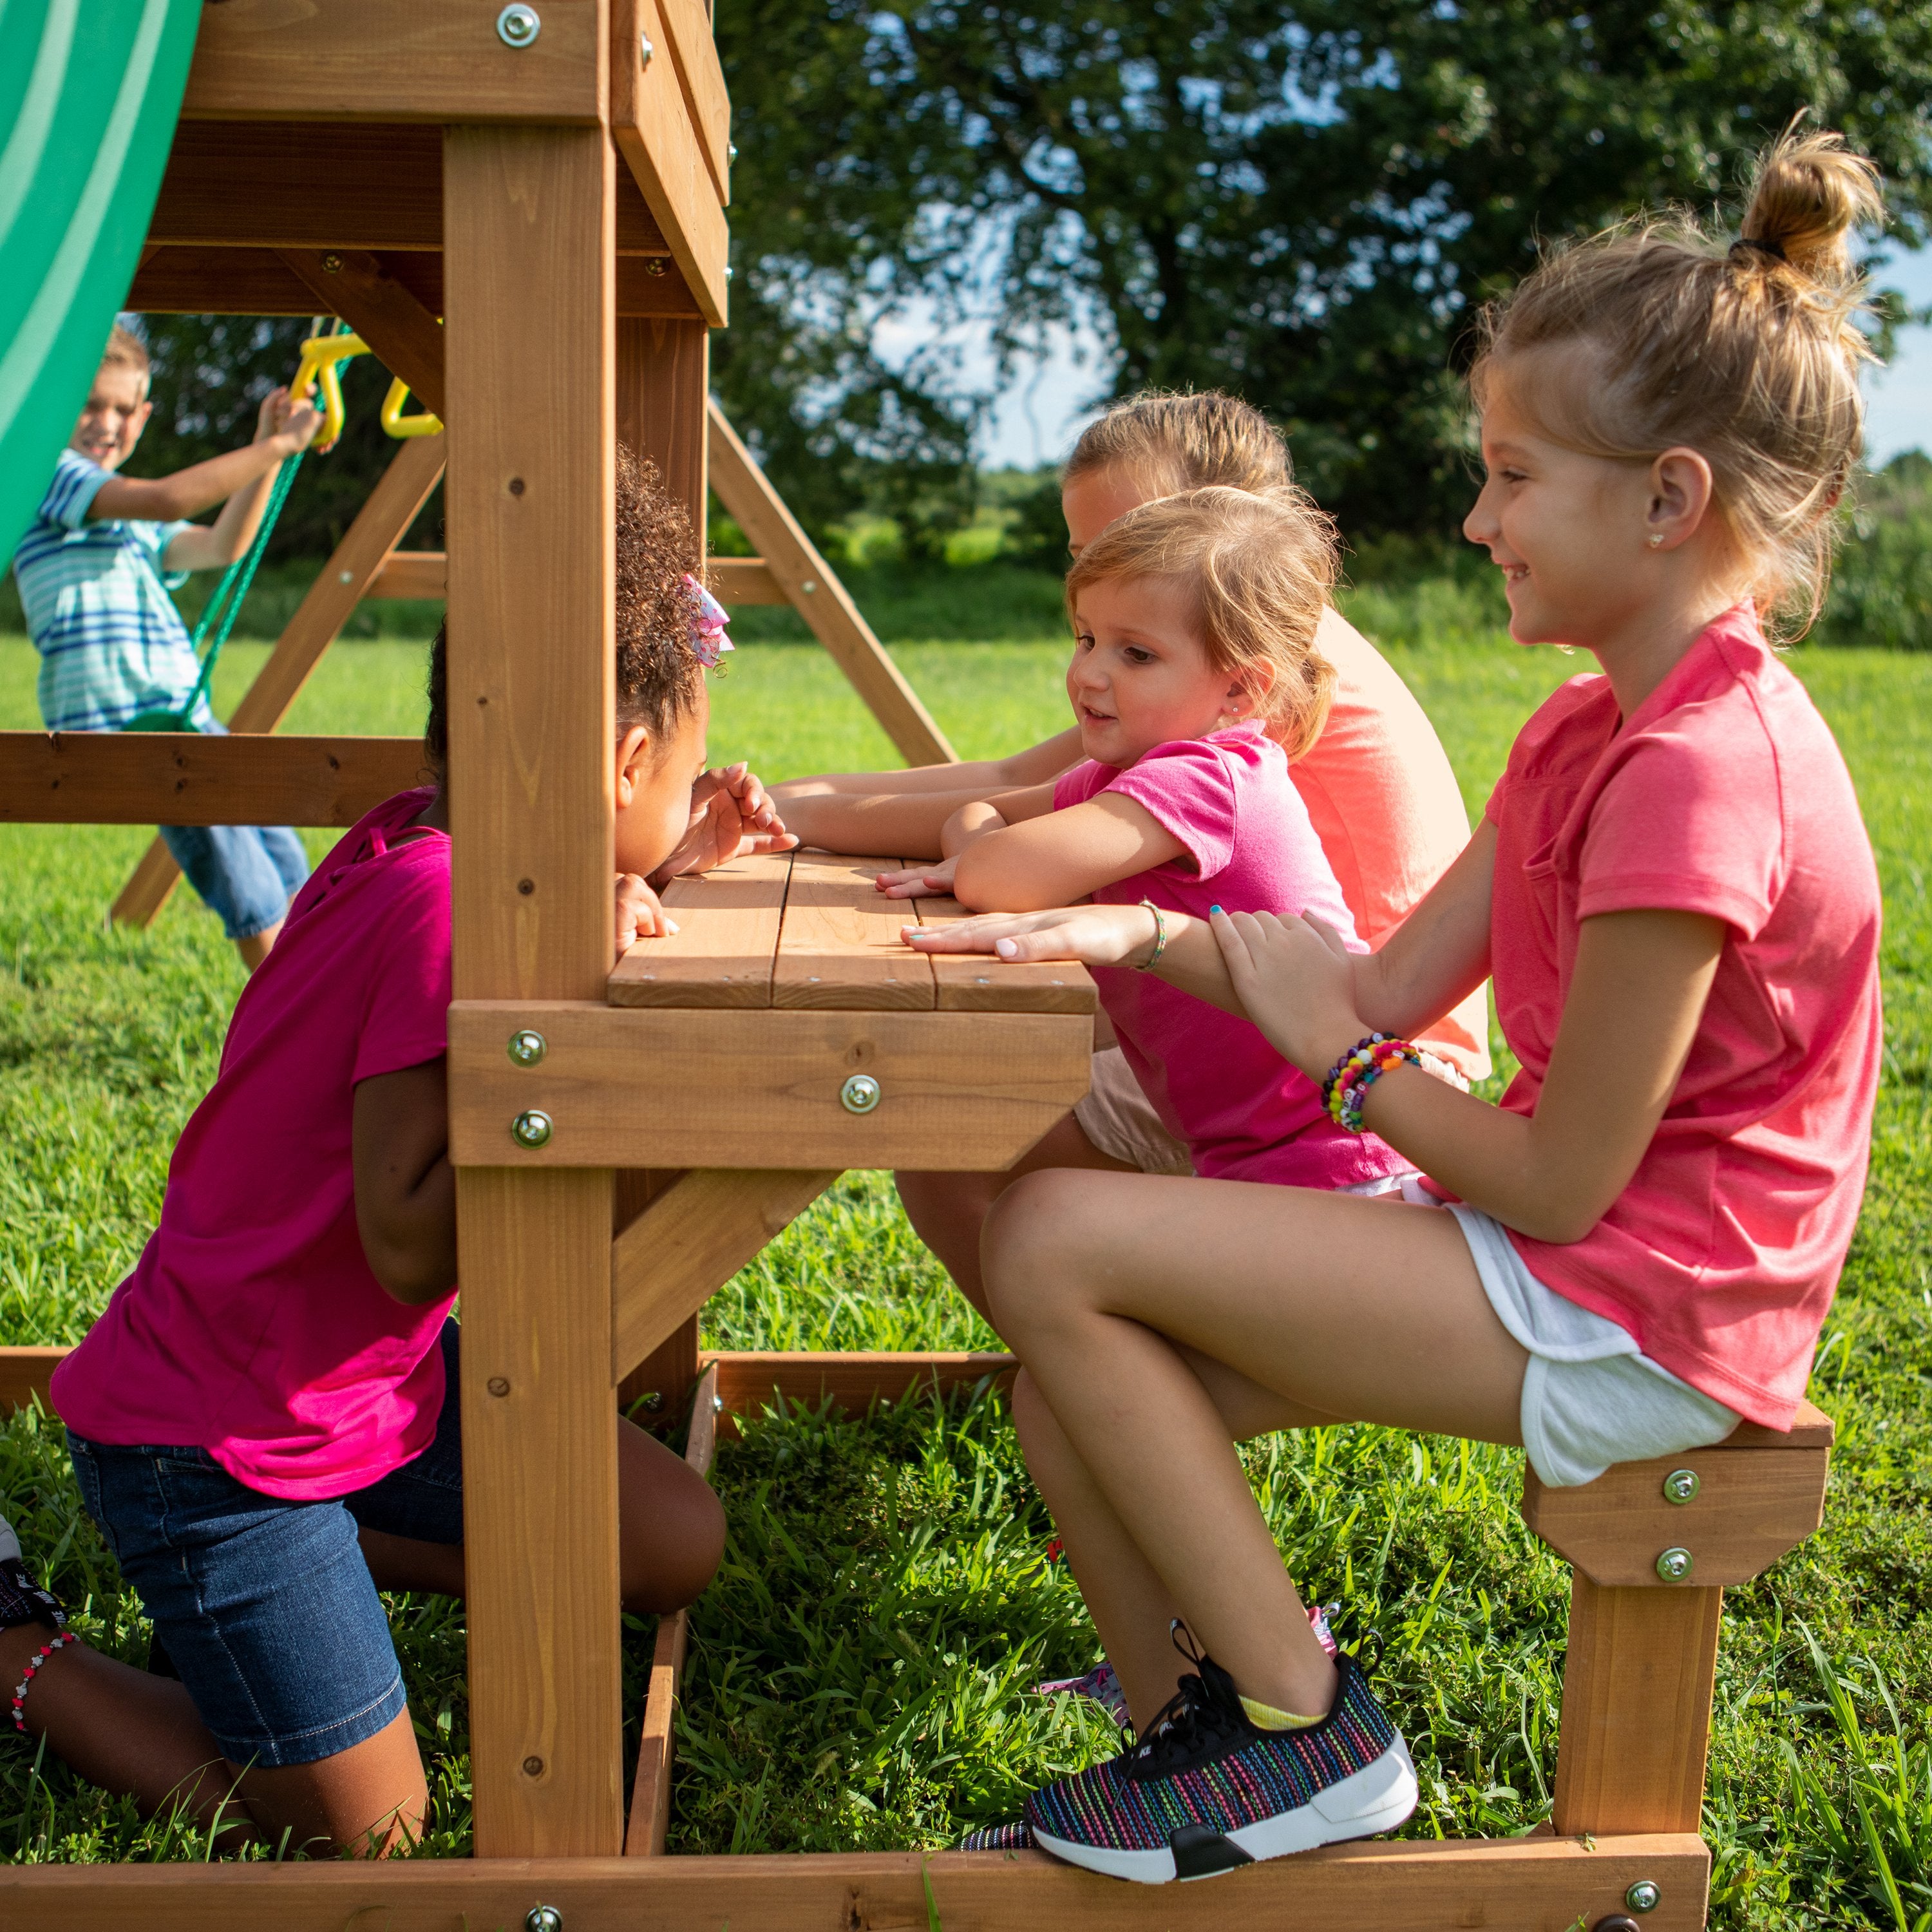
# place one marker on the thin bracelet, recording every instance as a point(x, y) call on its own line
point(46, 1650)
point(1153, 959)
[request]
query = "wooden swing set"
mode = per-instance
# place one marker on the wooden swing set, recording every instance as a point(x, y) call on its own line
point(550, 179)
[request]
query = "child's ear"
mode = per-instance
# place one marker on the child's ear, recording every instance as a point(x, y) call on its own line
point(634, 750)
point(1248, 694)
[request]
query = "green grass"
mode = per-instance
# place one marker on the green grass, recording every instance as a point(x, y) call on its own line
point(857, 1671)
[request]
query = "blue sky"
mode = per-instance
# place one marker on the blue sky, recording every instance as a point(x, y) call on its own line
point(1039, 415)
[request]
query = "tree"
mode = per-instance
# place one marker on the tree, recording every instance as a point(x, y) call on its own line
point(1300, 203)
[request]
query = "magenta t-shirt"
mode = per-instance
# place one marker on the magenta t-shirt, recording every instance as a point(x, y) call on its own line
point(1722, 793)
point(251, 1326)
point(1245, 1113)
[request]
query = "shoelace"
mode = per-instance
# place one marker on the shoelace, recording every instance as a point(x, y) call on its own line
point(1200, 1719)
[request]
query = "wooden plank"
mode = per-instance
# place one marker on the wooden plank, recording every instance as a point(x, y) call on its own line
point(840, 945)
point(664, 382)
point(749, 1379)
point(689, 1242)
point(977, 982)
point(820, 599)
point(406, 336)
point(742, 579)
point(292, 184)
point(528, 346)
point(624, 1088)
point(369, 60)
point(1810, 1429)
point(701, 78)
point(1637, 1708)
point(179, 778)
point(25, 1373)
point(422, 574)
point(653, 131)
point(1523, 1884)
point(723, 953)
point(1752, 1506)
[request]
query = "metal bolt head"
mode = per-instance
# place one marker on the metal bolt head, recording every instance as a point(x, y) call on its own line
point(1673, 1566)
point(332, 265)
point(652, 1399)
point(1681, 1485)
point(731, 151)
point(717, 1404)
point(533, 1767)
point(499, 1385)
point(543, 1918)
point(518, 26)
point(528, 1046)
point(1618, 1922)
point(531, 1128)
point(1643, 1896)
point(644, 50)
point(860, 1094)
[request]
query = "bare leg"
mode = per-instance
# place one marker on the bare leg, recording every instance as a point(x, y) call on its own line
point(368, 1801)
point(255, 950)
point(947, 1211)
point(1103, 1286)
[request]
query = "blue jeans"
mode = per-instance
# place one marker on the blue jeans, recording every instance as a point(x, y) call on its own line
point(247, 874)
point(266, 1605)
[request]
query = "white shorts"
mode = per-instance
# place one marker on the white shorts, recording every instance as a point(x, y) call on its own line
point(1590, 1396)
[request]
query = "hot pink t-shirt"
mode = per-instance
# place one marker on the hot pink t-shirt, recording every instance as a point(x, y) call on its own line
point(1244, 1112)
point(251, 1326)
point(1723, 793)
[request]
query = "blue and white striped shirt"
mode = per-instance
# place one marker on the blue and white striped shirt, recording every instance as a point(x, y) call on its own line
point(112, 644)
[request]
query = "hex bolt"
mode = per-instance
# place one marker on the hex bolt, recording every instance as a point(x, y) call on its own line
point(518, 26)
point(1644, 1895)
point(531, 1128)
point(644, 50)
point(528, 1046)
point(1673, 1566)
point(1681, 1486)
point(860, 1094)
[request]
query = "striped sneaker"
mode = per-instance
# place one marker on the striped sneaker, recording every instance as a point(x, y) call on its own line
point(1207, 1791)
point(1010, 1837)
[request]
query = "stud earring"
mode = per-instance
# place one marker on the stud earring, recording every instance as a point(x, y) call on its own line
point(1656, 538)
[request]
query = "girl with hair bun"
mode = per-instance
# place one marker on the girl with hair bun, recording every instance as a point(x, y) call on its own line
point(1674, 894)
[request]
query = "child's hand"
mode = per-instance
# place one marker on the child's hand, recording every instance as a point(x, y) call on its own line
point(1297, 981)
point(731, 815)
point(1096, 935)
point(281, 416)
point(919, 882)
point(639, 915)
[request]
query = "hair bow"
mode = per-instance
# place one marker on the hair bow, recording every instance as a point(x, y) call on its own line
point(708, 619)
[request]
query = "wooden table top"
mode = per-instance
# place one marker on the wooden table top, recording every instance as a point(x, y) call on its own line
point(810, 929)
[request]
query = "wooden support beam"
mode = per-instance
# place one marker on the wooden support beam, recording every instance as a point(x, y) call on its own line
point(417, 574)
point(358, 558)
point(700, 78)
point(816, 592)
point(969, 1091)
point(179, 778)
point(406, 336)
point(664, 382)
point(369, 60)
point(528, 228)
point(749, 1379)
point(743, 579)
point(689, 1242)
point(1525, 1885)
point(25, 1374)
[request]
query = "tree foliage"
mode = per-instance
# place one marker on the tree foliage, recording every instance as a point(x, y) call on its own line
point(1300, 202)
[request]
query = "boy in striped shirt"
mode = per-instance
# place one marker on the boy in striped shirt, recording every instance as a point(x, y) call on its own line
point(94, 570)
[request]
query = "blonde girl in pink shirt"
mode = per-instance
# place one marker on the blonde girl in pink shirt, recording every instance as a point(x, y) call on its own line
point(1673, 890)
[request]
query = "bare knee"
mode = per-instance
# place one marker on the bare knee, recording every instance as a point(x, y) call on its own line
point(672, 1524)
point(1035, 1236)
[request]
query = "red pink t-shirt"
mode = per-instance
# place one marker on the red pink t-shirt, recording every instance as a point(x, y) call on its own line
point(1723, 793)
point(251, 1326)
point(1244, 1112)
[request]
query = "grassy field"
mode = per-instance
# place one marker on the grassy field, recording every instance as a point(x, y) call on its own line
point(857, 1671)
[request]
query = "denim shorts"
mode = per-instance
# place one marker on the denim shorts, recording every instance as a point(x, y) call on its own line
point(266, 1605)
point(246, 874)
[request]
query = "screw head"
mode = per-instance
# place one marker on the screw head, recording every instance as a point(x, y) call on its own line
point(860, 1094)
point(531, 1128)
point(654, 264)
point(644, 50)
point(1673, 1566)
point(346, 576)
point(533, 1767)
point(1618, 1922)
point(528, 1046)
point(652, 1399)
point(543, 1918)
point(731, 151)
point(1681, 1485)
point(332, 265)
point(500, 1385)
point(1643, 1896)
point(518, 26)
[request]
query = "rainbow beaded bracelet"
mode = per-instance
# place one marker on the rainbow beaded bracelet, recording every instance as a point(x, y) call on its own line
point(1351, 1076)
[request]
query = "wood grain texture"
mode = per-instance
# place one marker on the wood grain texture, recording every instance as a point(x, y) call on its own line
point(626, 1088)
point(664, 382)
point(406, 337)
point(370, 60)
point(701, 78)
point(422, 574)
point(840, 946)
point(180, 778)
point(978, 983)
point(726, 946)
point(749, 1379)
point(540, 1513)
point(1637, 1708)
point(742, 579)
point(25, 1373)
point(689, 1242)
point(651, 123)
point(1752, 1506)
point(815, 592)
point(1509, 1885)
point(663, 1380)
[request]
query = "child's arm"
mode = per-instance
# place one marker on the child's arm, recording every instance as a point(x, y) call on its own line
point(976, 778)
point(405, 1186)
point(166, 500)
point(907, 824)
point(1015, 853)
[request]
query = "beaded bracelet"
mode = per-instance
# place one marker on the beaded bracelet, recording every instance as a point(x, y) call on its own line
point(1351, 1076)
point(34, 1663)
point(1153, 959)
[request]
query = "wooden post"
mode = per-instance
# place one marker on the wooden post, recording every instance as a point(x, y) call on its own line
point(1637, 1708)
point(663, 378)
point(530, 306)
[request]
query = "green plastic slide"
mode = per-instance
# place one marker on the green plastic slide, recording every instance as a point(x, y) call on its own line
point(90, 91)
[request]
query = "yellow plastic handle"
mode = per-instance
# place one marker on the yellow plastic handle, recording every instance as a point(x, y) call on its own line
point(395, 424)
point(316, 371)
